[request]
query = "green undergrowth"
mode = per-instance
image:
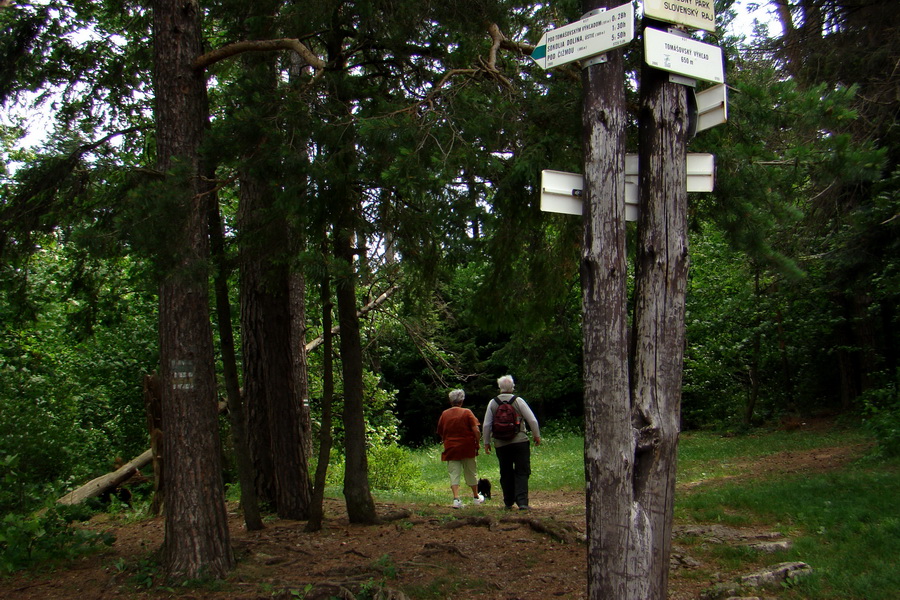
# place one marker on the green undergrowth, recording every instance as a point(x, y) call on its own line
point(843, 519)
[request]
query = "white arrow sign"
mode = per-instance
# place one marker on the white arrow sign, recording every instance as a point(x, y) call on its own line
point(592, 35)
point(712, 107)
point(561, 192)
point(684, 56)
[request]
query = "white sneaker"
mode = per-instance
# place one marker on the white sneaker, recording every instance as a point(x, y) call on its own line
point(457, 503)
point(478, 499)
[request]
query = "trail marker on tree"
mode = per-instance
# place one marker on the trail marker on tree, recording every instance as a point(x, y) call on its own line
point(594, 34)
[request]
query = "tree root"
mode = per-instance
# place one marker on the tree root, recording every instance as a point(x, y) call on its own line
point(395, 515)
point(343, 590)
point(560, 532)
point(470, 521)
point(437, 548)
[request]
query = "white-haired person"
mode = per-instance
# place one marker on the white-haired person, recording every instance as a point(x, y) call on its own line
point(459, 430)
point(513, 449)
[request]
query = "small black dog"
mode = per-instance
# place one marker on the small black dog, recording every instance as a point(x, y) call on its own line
point(484, 488)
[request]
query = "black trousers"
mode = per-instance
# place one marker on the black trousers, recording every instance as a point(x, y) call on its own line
point(515, 468)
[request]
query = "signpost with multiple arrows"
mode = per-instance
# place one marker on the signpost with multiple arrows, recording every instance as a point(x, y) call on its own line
point(667, 173)
point(594, 34)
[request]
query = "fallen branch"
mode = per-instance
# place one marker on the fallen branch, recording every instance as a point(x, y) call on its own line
point(360, 313)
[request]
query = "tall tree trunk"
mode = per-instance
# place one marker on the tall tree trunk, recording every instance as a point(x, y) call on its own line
point(269, 386)
point(197, 540)
point(316, 509)
point(236, 410)
point(608, 437)
point(360, 505)
point(272, 391)
point(658, 345)
point(343, 197)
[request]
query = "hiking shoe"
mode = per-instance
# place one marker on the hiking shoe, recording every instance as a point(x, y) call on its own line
point(457, 503)
point(479, 499)
point(524, 507)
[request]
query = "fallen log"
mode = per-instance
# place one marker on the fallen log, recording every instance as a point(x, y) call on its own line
point(107, 482)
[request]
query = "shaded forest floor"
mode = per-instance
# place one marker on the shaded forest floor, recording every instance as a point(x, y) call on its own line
point(432, 552)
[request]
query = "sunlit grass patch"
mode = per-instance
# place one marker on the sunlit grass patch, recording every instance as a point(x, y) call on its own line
point(844, 523)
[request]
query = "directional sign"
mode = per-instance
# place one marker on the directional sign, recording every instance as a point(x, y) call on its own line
point(685, 56)
point(561, 192)
point(712, 107)
point(592, 35)
point(699, 14)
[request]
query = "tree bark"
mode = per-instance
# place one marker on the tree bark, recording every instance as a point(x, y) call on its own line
point(237, 413)
point(360, 505)
point(316, 509)
point(153, 406)
point(269, 388)
point(608, 440)
point(658, 345)
point(197, 541)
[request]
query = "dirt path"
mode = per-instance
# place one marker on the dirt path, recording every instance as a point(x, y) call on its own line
point(436, 552)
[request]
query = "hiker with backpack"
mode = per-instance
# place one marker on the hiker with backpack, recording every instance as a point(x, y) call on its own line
point(458, 428)
point(503, 425)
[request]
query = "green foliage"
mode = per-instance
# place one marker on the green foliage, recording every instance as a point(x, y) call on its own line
point(35, 539)
point(391, 468)
point(71, 377)
point(882, 410)
point(382, 423)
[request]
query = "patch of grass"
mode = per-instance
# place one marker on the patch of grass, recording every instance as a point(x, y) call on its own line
point(704, 455)
point(440, 588)
point(558, 463)
point(845, 524)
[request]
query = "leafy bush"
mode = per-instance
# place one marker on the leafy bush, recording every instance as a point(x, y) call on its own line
point(391, 467)
point(882, 407)
point(26, 541)
point(29, 536)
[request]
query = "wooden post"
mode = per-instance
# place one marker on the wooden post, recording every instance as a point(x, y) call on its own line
point(661, 267)
point(608, 438)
